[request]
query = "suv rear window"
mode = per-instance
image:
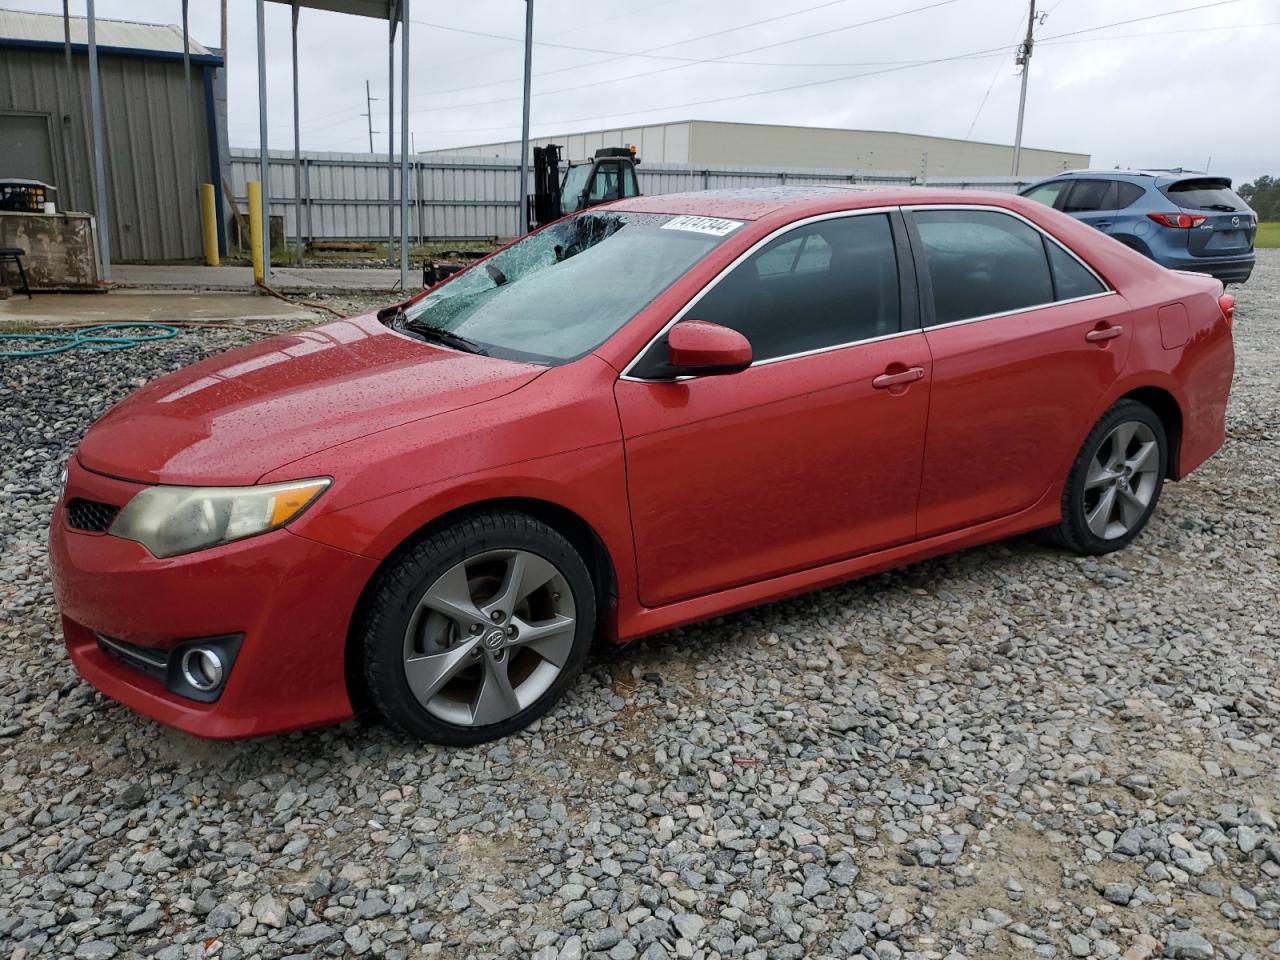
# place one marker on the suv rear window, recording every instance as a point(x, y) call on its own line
point(1205, 194)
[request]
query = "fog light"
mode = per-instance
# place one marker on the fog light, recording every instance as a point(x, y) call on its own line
point(202, 668)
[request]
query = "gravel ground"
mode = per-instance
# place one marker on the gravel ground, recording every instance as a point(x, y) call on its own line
point(1009, 752)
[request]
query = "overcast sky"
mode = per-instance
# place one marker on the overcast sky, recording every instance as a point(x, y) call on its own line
point(1173, 90)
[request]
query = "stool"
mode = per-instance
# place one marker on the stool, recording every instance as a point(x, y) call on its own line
point(15, 254)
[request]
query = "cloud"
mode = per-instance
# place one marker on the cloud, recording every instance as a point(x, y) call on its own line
point(1130, 95)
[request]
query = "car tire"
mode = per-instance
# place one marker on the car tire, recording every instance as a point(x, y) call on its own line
point(477, 629)
point(1115, 482)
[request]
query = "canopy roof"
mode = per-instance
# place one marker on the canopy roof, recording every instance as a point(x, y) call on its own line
point(378, 9)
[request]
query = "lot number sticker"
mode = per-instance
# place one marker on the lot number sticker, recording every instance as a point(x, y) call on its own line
point(709, 225)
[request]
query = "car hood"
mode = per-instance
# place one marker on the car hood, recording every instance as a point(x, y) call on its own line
point(235, 416)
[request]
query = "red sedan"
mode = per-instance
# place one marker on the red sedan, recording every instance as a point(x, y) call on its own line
point(643, 415)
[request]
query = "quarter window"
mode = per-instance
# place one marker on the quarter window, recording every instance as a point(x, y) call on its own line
point(820, 285)
point(1126, 193)
point(1070, 278)
point(982, 263)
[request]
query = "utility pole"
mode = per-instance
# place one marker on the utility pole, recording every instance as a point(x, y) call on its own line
point(368, 108)
point(524, 126)
point(1024, 61)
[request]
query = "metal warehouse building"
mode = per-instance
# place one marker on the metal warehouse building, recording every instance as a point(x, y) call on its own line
point(161, 132)
point(769, 145)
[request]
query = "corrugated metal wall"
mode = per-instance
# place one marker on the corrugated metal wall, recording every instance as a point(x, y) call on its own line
point(345, 194)
point(157, 143)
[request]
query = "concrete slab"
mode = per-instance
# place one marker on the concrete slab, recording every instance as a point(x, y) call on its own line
point(283, 279)
point(51, 309)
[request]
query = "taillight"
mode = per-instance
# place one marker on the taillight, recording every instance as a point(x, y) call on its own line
point(1227, 304)
point(1180, 221)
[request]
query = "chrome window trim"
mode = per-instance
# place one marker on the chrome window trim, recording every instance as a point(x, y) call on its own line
point(1010, 313)
point(1108, 290)
point(729, 268)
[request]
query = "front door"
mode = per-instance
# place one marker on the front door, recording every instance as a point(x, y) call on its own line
point(812, 454)
point(1025, 340)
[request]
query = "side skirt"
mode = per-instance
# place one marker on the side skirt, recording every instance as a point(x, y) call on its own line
point(638, 621)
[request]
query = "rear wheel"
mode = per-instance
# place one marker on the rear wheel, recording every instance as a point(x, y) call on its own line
point(1115, 482)
point(478, 629)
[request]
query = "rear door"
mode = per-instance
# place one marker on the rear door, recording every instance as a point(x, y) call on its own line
point(1229, 226)
point(1025, 341)
point(810, 455)
point(1092, 201)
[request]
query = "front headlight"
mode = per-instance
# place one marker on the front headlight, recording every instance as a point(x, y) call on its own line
point(173, 520)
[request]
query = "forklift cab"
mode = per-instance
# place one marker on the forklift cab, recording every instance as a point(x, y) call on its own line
point(610, 175)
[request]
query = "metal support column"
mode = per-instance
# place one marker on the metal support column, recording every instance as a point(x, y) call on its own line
point(297, 146)
point(391, 131)
point(264, 161)
point(99, 146)
point(523, 192)
point(404, 146)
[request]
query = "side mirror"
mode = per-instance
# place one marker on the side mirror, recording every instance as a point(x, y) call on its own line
point(701, 348)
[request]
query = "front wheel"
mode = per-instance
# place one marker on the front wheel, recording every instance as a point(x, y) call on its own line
point(1115, 482)
point(478, 629)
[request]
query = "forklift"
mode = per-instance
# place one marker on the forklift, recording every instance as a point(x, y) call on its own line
point(609, 175)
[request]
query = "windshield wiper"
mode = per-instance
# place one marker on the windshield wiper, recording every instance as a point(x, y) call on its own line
point(431, 333)
point(1219, 206)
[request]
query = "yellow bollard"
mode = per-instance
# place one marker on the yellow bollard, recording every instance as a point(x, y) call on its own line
point(209, 216)
point(255, 230)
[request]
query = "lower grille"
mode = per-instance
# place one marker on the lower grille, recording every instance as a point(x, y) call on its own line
point(154, 663)
point(90, 515)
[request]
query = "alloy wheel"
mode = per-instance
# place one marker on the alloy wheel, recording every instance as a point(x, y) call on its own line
point(489, 637)
point(1122, 480)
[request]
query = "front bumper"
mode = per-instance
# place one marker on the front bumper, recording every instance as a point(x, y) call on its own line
point(291, 599)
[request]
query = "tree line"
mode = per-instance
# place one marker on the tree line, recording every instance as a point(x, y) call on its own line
point(1263, 195)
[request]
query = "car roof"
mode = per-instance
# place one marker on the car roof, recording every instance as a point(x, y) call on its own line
point(757, 203)
point(1162, 177)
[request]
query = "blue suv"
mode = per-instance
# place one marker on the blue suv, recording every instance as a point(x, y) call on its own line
point(1180, 219)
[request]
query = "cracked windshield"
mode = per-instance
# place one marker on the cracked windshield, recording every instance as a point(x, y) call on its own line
point(561, 292)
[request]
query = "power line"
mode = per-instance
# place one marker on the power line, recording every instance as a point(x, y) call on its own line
point(978, 54)
point(892, 66)
point(723, 59)
point(992, 85)
point(353, 113)
point(619, 55)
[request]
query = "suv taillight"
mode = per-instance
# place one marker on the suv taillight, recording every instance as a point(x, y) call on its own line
point(1227, 304)
point(1180, 221)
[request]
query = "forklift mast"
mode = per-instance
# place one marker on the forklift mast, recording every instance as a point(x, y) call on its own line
point(609, 175)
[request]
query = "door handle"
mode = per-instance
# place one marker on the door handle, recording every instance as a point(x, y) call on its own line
point(887, 380)
point(1103, 333)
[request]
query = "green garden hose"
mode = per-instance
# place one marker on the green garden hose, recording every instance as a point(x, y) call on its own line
point(90, 338)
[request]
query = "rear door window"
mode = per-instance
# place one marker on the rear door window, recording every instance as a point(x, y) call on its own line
point(981, 263)
point(1089, 196)
point(1207, 194)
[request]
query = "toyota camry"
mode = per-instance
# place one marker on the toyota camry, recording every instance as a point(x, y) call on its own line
point(643, 415)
